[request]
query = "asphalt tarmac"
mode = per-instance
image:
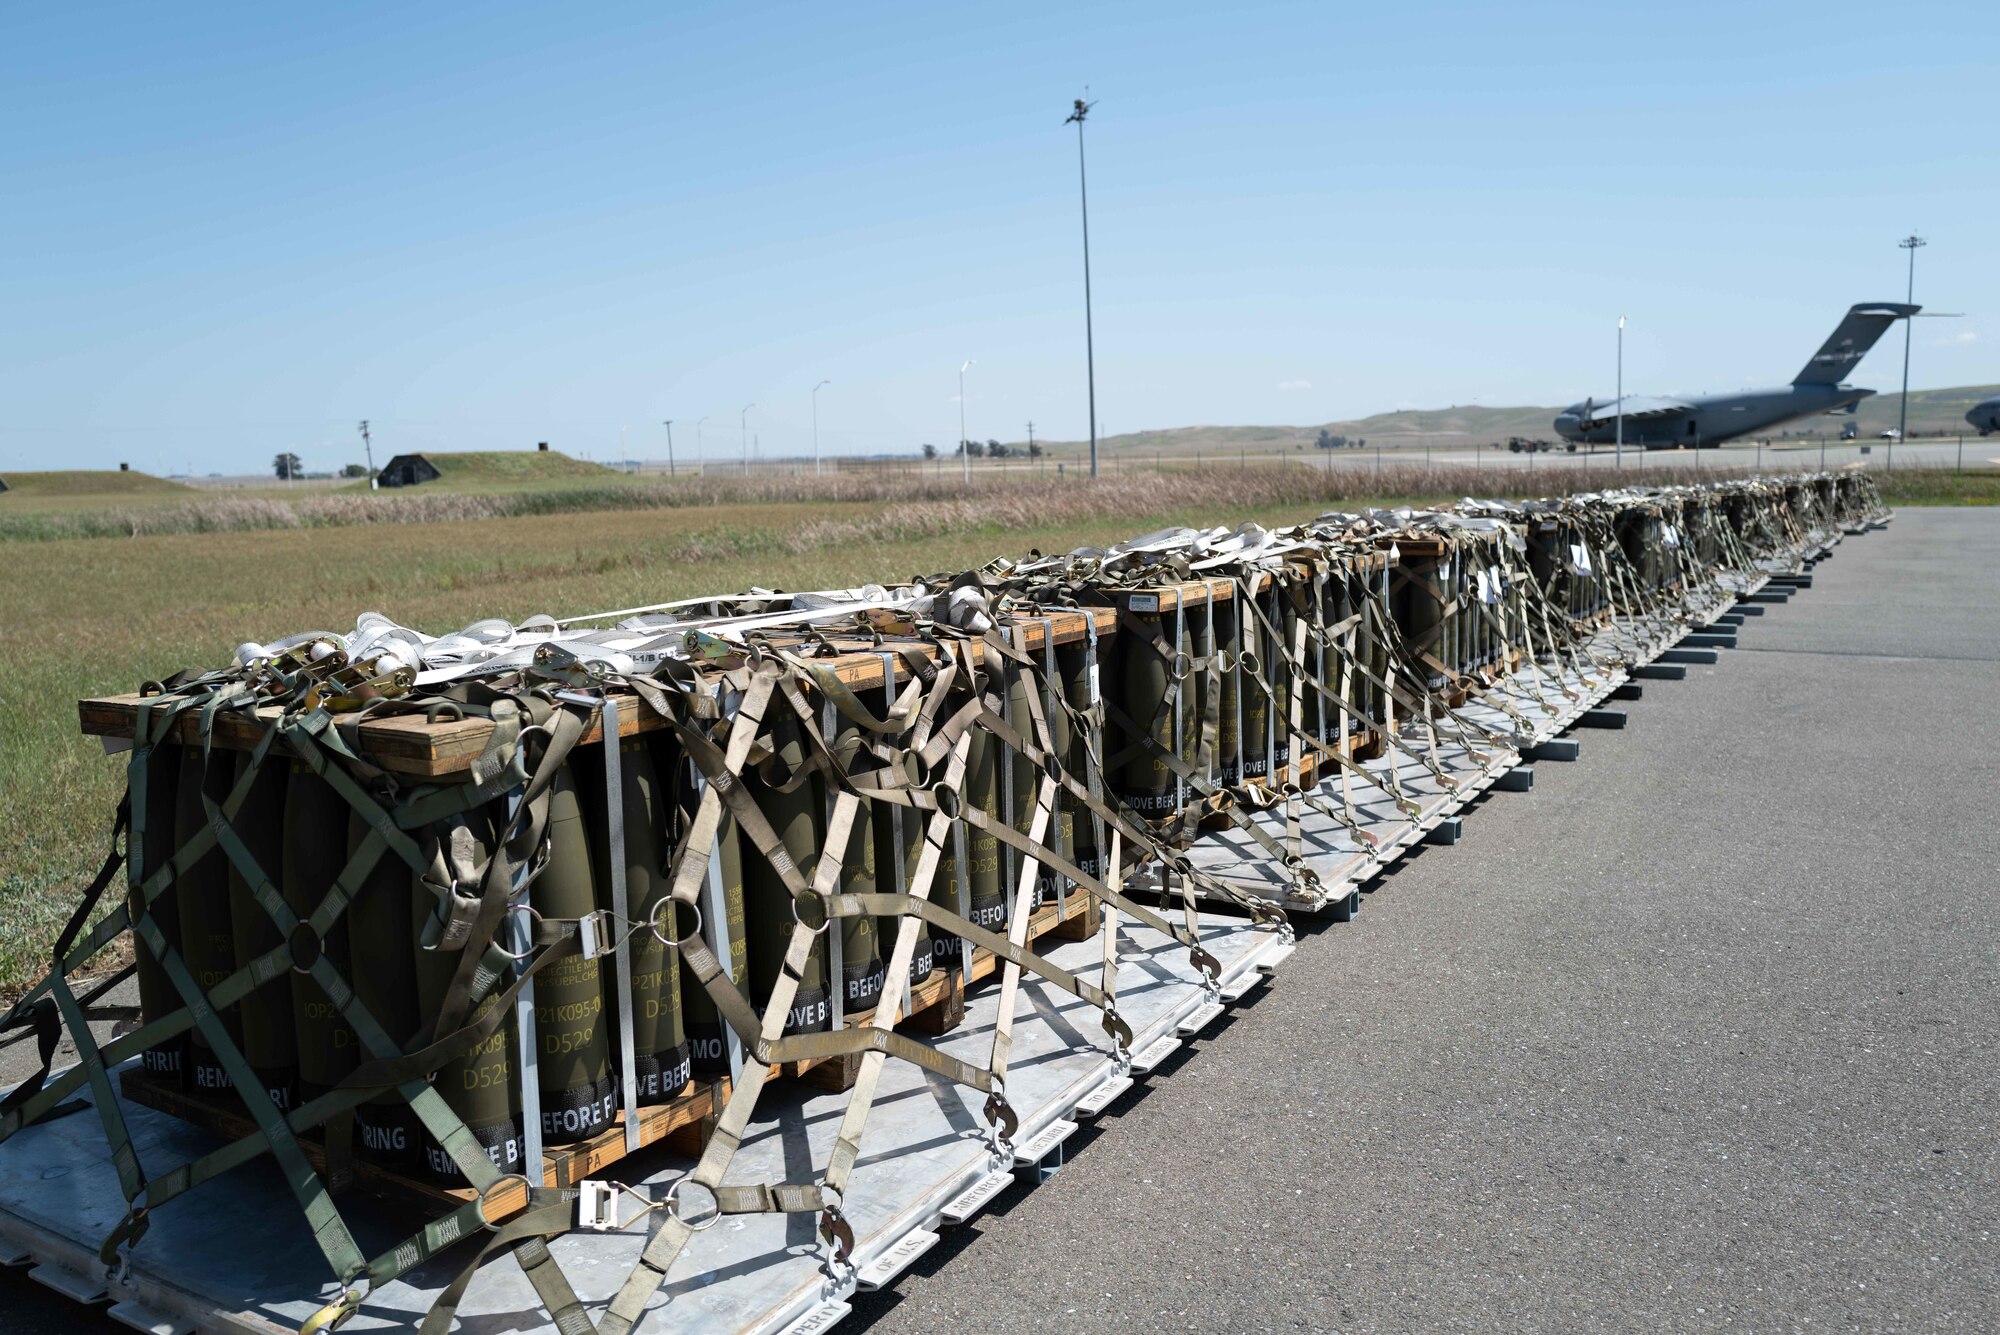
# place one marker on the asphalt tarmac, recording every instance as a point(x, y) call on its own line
point(1698, 1035)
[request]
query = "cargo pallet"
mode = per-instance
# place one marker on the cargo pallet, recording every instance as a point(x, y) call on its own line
point(1341, 862)
point(926, 1167)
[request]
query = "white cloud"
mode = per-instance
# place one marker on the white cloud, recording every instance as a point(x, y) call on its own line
point(1957, 340)
point(1295, 384)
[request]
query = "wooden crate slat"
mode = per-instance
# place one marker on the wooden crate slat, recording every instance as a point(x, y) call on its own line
point(411, 744)
point(693, 1110)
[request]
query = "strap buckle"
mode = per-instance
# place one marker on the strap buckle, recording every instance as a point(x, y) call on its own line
point(597, 1206)
point(595, 934)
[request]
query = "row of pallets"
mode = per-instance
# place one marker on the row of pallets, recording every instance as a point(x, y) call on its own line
point(878, 892)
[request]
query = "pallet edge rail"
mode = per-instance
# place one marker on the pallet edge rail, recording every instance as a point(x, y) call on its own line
point(783, 816)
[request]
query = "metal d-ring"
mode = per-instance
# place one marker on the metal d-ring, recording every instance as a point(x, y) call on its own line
point(536, 920)
point(947, 802)
point(672, 1201)
point(479, 1201)
point(825, 922)
point(663, 911)
point(317, 942)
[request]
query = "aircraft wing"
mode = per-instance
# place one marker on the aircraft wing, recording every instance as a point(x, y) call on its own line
point(1635, 407)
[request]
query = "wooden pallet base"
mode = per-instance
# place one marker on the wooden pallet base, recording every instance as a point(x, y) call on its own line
point(683, 1123)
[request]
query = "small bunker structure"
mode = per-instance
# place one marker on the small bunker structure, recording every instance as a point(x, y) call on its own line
point(407, 470)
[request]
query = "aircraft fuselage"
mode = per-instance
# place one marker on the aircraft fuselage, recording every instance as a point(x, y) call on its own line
point(1985, 415)
point(1707, 419)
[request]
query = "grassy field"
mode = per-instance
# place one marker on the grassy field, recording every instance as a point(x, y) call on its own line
point(501, 489)
point(68, 489)
point(90, 616)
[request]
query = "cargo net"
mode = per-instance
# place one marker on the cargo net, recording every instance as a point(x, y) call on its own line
point(729, 834)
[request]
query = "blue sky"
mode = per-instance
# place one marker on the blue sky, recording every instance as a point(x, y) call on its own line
point(235, 229)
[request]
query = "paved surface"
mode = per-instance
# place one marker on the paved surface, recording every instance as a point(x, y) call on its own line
point(1698, 1035)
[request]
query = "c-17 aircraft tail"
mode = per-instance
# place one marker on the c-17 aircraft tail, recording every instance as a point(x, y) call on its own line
point(1850, 341)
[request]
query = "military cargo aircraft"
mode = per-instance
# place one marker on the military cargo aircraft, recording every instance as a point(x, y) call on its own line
point(1985, 415)
point(1702, 420)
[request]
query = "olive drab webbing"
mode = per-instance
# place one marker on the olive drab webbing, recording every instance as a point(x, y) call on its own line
point(385, 981)
point(860, 975)
point(481, 1085)
point(270, 1041)
point(155, 780)
point(573, 1058)
point(982, 844)
point(899, 848)
point(208, 936)
point(315, 850)
point(786, 792)
point(662, 1064)
point(708, 1040)
point(778, 827)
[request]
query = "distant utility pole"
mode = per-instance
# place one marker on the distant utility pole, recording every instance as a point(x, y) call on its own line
point(1031, 439)
point(1621, 392)
point(743, 423)
point(1089, 346)
point(815, 396)
point(700, 457)
point(964, 447)
point(368, 447)
point(669, 424)
point(1909, 243)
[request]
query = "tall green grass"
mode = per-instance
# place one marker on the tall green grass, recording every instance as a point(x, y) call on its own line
point(1263, 484)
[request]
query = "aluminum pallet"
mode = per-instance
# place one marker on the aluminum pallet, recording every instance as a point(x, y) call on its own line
point(1339, 860)
point(230, 1257)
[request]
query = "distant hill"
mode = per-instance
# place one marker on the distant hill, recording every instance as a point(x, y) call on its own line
point(502, 470)
point(1931, 411)
point(85, 482)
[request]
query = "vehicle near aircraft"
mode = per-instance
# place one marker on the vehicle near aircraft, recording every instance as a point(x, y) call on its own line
point(1985, 415)
point(1536, 445)
point(1705, 420)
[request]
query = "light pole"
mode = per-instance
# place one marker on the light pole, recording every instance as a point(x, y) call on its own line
point(1909, 243)
point(816, 389)
point(669, 424)
point(964, 445)
point(700, 458)
point(1089, 348)
point(368, 446)
point(1621, 392)
point(743, 421)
